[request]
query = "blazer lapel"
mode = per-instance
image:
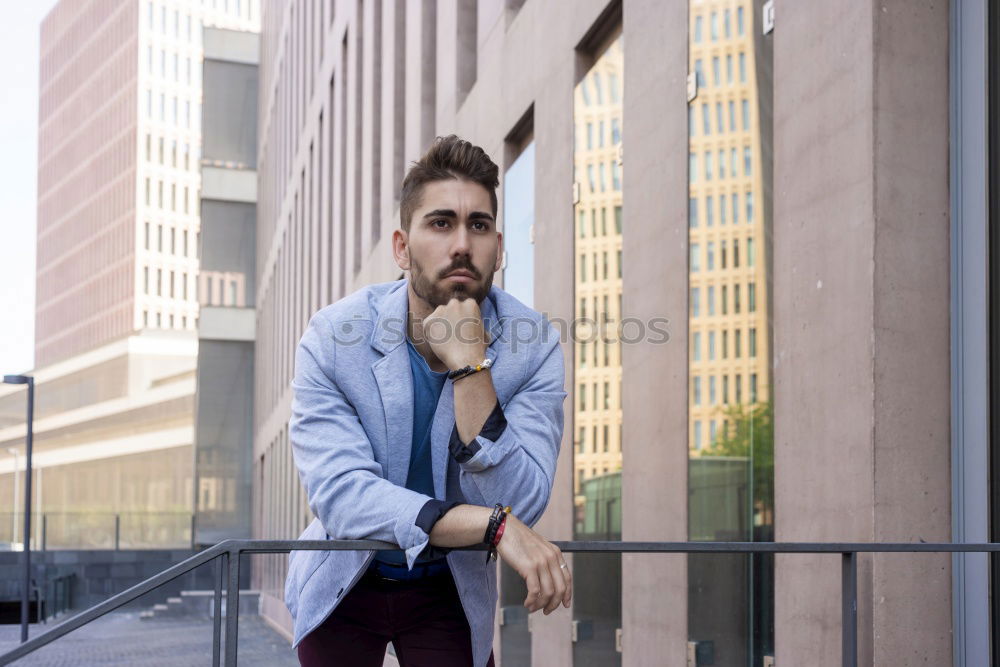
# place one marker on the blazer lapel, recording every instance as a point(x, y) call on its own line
point(395, 383)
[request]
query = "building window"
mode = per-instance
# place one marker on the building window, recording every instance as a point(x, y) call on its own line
point(695, 301)
point(695, 259)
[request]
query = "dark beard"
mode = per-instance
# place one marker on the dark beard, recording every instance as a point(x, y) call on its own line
point(431, 290)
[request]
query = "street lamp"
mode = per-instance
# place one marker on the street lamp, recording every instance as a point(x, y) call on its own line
point(13, 515)
point(30, 381)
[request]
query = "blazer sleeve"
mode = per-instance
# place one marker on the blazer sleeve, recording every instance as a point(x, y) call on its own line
point(517, 466)
point(335, 460)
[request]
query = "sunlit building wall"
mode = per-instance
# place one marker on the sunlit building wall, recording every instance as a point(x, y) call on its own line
point(352, 92)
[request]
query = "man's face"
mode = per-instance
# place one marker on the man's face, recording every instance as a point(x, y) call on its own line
point(453, 247)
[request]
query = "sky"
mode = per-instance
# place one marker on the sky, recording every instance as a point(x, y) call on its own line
point(19, 32)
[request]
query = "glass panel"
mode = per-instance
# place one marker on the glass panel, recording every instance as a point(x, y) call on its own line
point(993, 86)
point(518, 280)
point(518, 220)
point(598, 415)
point(731, 471)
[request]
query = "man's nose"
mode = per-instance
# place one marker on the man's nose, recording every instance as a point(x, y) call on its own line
point(460, 241)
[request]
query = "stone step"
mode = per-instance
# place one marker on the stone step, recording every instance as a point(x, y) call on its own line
point(202, 603)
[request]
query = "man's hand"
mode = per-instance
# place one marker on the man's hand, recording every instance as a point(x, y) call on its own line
point(540, 563)
point(455, 333)
point(531, 555)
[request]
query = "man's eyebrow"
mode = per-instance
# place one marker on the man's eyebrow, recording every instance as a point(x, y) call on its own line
point(441, 213)
point(448, 213)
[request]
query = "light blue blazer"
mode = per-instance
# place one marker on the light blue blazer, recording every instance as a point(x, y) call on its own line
point(351, 434)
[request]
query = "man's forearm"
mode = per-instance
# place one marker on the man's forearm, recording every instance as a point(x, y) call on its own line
point(474, 401)
point(461, 526)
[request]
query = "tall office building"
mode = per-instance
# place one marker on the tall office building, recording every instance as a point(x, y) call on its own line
point(118, 287)
point(118, 168)
point(755, 203)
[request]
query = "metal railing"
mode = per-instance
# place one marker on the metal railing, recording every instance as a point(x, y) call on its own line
point(226, 556)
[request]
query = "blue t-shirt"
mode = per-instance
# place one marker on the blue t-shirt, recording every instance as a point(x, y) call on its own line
point(427, 386)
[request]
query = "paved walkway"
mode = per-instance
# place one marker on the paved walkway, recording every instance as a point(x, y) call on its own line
point(123, 639)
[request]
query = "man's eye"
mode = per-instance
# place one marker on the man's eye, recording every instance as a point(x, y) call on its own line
point(480, 226)
point(440, 223)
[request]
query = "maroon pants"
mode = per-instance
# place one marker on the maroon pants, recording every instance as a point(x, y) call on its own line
point(423, 619)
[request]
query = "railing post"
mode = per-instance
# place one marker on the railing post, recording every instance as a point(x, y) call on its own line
point(217, 616)
point(45, 528)
point(118, 531)
point(849, 609)
point(192, 532)
point(232, 606)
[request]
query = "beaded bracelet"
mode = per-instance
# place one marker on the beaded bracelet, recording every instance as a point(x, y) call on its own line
point(460, 373)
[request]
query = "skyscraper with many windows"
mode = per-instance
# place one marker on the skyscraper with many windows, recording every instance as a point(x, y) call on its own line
point(118, 284)
point(118, 174)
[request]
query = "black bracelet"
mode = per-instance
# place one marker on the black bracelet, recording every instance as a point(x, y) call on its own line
point(491, 527)
point(469, 370)
point(499, 514)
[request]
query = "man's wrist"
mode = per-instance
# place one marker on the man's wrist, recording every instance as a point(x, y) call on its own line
point(468, 359)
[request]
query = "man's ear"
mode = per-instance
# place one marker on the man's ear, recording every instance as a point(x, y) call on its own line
point(401, 249)
point(499, 261)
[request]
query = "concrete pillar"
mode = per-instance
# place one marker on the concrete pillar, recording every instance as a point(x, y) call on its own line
point(654, 376)
point(861, 323)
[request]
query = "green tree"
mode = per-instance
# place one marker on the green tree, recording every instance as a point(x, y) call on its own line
point(748, 432)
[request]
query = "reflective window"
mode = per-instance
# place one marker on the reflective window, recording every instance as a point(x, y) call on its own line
point(597, 466)
point(518, 221)
point(730, 473)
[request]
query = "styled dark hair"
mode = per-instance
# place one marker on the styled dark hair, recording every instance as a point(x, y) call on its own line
point(448, 158)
